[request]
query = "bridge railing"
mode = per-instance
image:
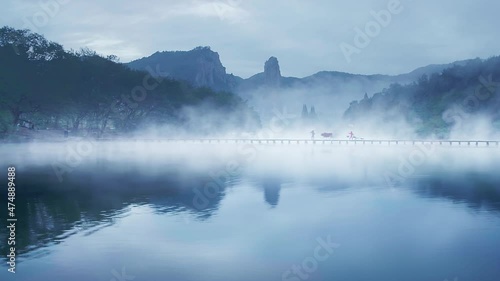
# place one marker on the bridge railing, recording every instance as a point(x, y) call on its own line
point(465, 143)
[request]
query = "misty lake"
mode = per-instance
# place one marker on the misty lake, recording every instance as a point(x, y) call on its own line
point(153, 211)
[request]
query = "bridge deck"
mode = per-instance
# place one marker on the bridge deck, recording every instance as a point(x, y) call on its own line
point(487, 143)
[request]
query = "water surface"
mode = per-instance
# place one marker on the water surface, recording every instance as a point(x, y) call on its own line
point(247, 213)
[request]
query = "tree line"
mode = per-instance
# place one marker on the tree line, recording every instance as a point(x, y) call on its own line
point(82, 91)
point(436, 104)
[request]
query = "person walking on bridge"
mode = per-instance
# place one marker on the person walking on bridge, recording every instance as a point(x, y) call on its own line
point(351, 136)
point(312, 134)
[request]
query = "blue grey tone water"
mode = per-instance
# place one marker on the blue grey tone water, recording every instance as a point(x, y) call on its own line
point(153, 217)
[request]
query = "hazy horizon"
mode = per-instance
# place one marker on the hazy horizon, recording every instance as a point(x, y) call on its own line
point(366, 148)
point(306, 37)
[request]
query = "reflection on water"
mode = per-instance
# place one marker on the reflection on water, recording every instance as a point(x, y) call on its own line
point(169, 222)
point(478, 191)
point(272, 188)
point(50, 211)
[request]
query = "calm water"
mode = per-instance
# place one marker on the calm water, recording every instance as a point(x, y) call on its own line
point(273, 213)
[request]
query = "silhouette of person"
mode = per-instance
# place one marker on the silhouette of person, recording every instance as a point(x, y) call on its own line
point(351, 135)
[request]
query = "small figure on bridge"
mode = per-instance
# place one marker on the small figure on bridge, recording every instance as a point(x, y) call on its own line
point(351, 136)
point(312, 134)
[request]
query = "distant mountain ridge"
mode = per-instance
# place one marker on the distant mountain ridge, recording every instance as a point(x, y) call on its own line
point(202, 67)
point(330, 92)
point(459, 102)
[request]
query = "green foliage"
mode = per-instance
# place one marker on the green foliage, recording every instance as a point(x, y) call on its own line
point(424, 102)
point(84, 91)
point(5, 123)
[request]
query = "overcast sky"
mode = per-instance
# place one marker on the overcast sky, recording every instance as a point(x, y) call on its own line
point(305, 35)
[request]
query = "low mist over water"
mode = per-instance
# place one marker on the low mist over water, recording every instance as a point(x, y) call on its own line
point(249, 140)
point(158, 210)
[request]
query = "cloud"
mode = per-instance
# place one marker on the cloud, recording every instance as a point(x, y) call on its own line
point(107, 45)
point(229, 10)
point(304, 35)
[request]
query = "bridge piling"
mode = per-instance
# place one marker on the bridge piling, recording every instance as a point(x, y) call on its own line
point(360, 142)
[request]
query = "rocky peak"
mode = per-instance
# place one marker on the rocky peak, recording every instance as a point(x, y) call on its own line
point(272, 73)
point(209, 70)
point(201, 67)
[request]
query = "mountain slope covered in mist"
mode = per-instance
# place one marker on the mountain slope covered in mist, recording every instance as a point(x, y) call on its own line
point(461, 100)
point(202, 67)
point(44, 86)
point(329, 91)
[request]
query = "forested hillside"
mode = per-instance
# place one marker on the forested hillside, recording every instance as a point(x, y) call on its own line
point(81, 91)
point(437, 104)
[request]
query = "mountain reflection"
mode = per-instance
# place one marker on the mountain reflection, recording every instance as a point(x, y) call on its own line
point(272, 188)
point(478, 191)
point(49, 211)
point(89, 199)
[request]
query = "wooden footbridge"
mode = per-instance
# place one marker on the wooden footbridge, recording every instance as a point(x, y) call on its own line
point(460, 143)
